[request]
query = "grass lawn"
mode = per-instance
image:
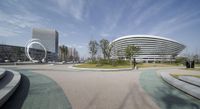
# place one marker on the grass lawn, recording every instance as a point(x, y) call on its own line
point(144, 65)
point(101, 66)
point(196, 69)
point(176, 75)
point(197, 65)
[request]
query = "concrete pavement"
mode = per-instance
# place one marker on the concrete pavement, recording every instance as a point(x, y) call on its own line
point(98, 90)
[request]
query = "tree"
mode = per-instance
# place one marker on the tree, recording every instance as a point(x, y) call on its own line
point(18, 52)
point(63, 52)
point(118, 54)
point(180, 60)
point(106, 48)
point(93, 48)
point(130, 51)
point(109, 49)
point(7, 53)
point(104, 44)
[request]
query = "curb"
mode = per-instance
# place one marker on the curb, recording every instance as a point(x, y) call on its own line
point(183, 86)
point(94, 69)
point(10, 88)
point(2, 73)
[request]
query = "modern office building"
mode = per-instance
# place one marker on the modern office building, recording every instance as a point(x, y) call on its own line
point(48, 37)
point(152, 48)
point(15, 53)
point(72, 54)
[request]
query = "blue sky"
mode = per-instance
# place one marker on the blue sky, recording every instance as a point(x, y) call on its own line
point(79, 21)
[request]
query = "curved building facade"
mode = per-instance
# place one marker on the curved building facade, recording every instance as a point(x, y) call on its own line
point(152, 48)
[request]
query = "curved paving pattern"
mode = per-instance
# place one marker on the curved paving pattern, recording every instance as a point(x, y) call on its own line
point(44, 93)
point(34, 91)
point(18, 97)
point(191, 80)
point(9, 85)
point(166, 96)
point(186, 87)
point(2, 73)
point(98, 90)
point(102, 90)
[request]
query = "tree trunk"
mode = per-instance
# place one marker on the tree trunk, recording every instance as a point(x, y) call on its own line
point(131, 63)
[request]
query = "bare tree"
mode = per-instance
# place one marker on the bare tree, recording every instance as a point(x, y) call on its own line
point(93, 48)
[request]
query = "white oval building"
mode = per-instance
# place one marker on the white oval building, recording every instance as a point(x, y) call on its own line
point(152, 48)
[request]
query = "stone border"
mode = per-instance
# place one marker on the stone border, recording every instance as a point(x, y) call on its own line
point(190, 79)
point(95, 69)
point(185, 87)
point(10, 88)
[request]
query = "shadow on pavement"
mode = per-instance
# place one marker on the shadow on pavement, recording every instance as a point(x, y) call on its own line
point(17, 99)
point(171, 100)
point(6, 79)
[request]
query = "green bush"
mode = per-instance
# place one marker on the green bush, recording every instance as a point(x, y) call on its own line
point(122, 62)
point(92, 62)
point(180, 60)
point(102, 62)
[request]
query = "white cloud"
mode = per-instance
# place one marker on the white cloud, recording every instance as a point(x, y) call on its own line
point(176, 23)
point(7, 32)
point(14, 24)
point(112, 19)
point(72, 7)
point(104, 34)
point(152, 10)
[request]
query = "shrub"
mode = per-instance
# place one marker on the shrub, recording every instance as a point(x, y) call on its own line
point(104, 61)
point(92, 62)
point(122, 62)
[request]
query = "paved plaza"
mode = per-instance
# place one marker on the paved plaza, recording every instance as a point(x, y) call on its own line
point(104, 89)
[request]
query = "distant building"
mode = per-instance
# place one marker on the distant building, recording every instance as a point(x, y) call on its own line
point(49, 39)
point(15, 53)
point(72, 54)
point(152, 48)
